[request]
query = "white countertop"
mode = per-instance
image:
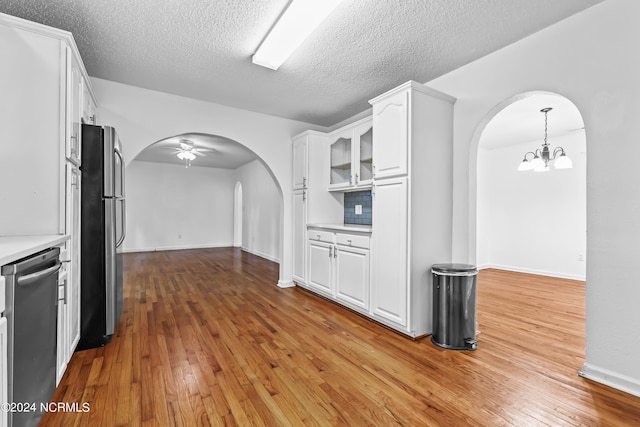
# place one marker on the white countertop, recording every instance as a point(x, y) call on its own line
point(343, 227)
point(13, 248)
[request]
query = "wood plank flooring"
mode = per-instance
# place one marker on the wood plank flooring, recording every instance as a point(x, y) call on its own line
point(206, 338)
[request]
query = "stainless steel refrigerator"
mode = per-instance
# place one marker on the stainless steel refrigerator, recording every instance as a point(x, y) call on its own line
point(103, 230)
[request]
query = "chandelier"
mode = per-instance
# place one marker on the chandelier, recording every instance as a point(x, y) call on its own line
point(541, 158)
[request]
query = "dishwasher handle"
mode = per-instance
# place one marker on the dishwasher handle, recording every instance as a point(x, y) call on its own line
point(29, 279)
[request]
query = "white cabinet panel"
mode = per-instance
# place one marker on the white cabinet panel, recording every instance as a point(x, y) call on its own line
point(390, 138)
point(352, 276)
point(300, 162)
point(321, 267)
point(389, 250)
point(4, 385)
point(299, 235)
point(62, 328)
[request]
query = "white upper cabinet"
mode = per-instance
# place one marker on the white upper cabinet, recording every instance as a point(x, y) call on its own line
point(390, 141)
point(300, 161)
point(351, 155)
point(341, 160)
point(42, 93)
point(89, 108)
point(74, 104)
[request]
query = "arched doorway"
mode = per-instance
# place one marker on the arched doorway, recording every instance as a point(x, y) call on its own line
point(215, 200)
point(527, 221)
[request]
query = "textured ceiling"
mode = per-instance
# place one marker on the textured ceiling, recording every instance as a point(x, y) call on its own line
point(202, 48)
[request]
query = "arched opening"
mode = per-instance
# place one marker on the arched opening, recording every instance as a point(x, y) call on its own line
point(528, 221)
point(237, 216)
point(216, 198)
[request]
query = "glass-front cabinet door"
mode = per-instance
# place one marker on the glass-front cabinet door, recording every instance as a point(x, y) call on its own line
point(351, 157)
point(341, 161)
point(365, 173)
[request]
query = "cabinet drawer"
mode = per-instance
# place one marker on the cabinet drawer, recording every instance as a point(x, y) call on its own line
point(354, 240)
point(320, 235)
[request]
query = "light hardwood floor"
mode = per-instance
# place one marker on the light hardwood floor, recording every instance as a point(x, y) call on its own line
point(206, 338)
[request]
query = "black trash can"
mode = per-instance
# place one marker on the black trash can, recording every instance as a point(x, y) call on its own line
point(454, 306)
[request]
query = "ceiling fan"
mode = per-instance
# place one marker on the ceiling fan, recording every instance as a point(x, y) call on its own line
point(187, 151)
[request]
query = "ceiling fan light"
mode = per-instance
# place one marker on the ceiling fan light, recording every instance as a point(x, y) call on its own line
point(563, 162)
point(186, 155)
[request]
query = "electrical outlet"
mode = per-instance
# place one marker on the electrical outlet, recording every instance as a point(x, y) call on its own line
point(358, 209)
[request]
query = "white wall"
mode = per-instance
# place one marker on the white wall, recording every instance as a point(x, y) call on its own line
point(261, 201)
point(173, 207)
point(592, 59)
point(532, 222)
point(143, 117)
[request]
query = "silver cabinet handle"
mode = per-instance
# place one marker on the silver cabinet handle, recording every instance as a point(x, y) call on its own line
point(318, 236)
point(304, 196)
point(304, 181)
point(373, 171)
point(335, 252)
point(330, 251)
point(349, 241)
point(357, 178)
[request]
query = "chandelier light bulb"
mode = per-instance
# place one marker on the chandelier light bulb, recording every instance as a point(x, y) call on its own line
point(541, 158)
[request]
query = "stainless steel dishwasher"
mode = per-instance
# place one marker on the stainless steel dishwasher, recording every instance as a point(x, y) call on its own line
point(31, 312)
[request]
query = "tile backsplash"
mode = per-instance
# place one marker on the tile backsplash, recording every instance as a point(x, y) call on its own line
point(352, 199)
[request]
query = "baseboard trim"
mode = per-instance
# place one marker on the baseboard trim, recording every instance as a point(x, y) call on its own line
point(174, 248)
point(533, 271)
point(261, 255)
point(286, 284)
point(611, 379)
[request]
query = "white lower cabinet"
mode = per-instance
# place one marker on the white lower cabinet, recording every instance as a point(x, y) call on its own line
point(352, 276)
point(321, 267)
point(4, 380)
point(299, 235)
point(390, 259)
point(339, 267)
point(62, 328)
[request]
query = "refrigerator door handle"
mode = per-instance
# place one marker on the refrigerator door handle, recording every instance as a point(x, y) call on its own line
point(124, 222)
point(121, 189)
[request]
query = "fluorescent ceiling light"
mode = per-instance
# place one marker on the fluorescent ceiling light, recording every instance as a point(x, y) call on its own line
point(293, 27)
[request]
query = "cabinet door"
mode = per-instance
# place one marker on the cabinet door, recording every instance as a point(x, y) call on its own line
point(352, 276)
point(299, 235)
point(364, 155)
point(389, 284)
point(300, 163)
point(72, 215)
point(390, 140)
point(341, 160)
point(73, 109)
point(62, 356)
point(88, 106)
point(4, 380)
point(320, 267)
